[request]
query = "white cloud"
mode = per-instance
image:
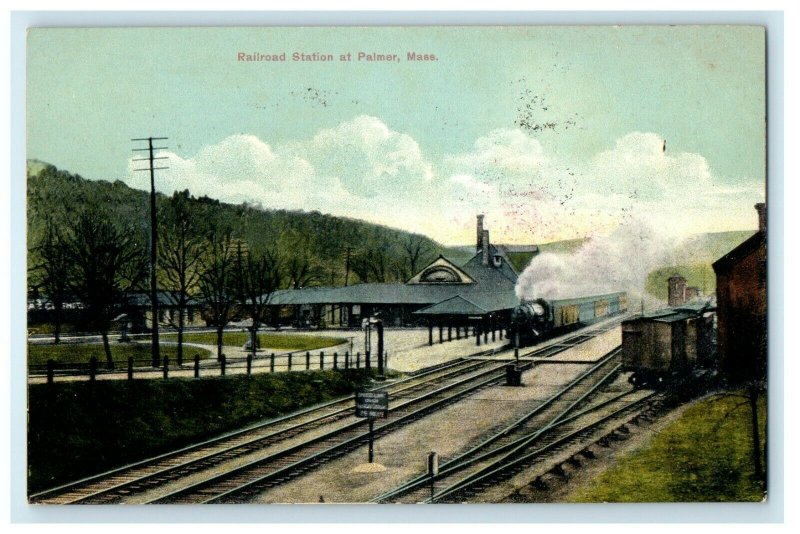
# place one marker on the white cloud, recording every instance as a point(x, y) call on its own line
point(367, 157)
point(362, 168)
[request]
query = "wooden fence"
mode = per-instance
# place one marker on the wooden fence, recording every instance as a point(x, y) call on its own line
point(271, 363)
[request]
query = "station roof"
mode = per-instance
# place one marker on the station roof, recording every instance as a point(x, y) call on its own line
point(475, 303)
point(492, 289)
point(457, 305)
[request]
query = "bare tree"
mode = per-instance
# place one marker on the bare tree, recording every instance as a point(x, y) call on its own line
point(258, 277)
point(299, 271)
point(106, 263)
point(416, 248)
point(53, 271)
point(179, 255)
point(217, 282)
point(360, 265)
point(379, 262)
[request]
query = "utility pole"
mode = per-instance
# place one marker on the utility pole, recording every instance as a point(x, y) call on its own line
point(347, 265)
point(156, 353)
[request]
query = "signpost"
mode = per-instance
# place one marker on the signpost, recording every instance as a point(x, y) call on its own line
point(433, 468)
point(372, 404)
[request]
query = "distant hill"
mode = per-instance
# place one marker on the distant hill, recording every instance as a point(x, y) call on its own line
point(696, 257)
point(376, 253)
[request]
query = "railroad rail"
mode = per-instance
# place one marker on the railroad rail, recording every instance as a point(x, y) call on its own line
point(531, 425)
point(117, 483)
point(558, 437)
point(422, 392)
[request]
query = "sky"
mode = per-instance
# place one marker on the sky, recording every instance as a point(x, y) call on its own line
point(552, 132)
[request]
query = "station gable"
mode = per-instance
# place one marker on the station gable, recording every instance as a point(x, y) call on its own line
point(441, 271)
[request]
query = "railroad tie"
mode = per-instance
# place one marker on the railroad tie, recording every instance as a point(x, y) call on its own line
point(540, 484)
point(558, 470)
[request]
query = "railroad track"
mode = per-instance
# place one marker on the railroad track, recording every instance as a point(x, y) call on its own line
point(421, 391)
point(242, 483)
point(577, 432)
point(118, 483)
point(509, 438)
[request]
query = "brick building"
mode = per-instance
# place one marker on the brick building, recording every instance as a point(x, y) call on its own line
point(742, 306)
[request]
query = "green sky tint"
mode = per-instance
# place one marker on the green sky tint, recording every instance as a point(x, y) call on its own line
point(700, 88)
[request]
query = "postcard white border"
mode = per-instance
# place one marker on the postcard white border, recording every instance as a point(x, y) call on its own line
point(771, 511)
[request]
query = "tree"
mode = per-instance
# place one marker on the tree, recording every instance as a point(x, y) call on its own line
point(179, 253)
point(300, 272)
point(416, 248)
point(258, 276)
point(106, 263)
point(53, 271)
point(217, 282)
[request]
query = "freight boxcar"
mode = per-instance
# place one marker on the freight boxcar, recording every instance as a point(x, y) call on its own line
point(662, 346)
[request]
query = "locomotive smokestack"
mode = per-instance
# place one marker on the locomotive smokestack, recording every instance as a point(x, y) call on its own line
point(480, 233)
point(485, 247)
point(761, 208)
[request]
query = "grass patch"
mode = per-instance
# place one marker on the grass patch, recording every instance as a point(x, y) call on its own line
point(77, 429)
point(288, 342)
point(704, 456)
point(71, 353)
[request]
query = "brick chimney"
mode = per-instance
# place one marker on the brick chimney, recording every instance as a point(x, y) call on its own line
point(677, 290)
point(761, 208)
point(480, 233)
point(485, 247)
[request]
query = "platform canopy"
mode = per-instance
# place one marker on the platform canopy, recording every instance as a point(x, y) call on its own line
point(473, 304)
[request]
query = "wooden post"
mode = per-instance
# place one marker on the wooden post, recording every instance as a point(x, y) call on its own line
point(449, 333)
point(346, 359)
point(322, 359)
point(222, 360)
point(308, 361)
point(289, 362)
point(477, 336)
point(367, 361)
point(197, 366)
point(92, 368)
point(249, 364)
point(430, 334)
point(335, 360)
point(358, 360)
point(51, 364)
point(166, 367)
point(130, 367)
point(440, 333)
point(272, 363)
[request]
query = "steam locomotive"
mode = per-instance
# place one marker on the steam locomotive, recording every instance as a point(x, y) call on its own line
point(536, 319)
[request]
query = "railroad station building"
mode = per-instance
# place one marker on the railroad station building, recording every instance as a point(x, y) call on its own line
point(453, 299)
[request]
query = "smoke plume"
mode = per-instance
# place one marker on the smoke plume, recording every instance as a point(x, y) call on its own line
point(619, 261)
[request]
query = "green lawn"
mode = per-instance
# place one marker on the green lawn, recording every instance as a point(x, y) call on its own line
point(81, 353)
point(704, 456)
point(288, 342)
